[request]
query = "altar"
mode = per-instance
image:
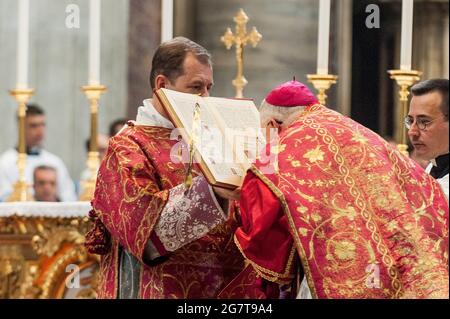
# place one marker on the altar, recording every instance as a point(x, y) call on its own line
point(42, 253)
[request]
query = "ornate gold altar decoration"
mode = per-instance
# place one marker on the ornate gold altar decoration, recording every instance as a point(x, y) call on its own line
point(35, 253)
point(20, 188)
point(240, 39)
point(405, 79)
point(322, 82)
point(93, 93)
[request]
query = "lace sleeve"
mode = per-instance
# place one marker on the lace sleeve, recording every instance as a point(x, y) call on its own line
point(187, 216)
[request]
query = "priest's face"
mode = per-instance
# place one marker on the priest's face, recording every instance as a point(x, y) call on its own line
point(433, 140)
point(197, 77)
point(34, 130)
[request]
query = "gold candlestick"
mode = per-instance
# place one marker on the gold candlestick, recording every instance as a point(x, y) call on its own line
point(404, 79)
point(93, 93)
point(20, 188)
point(240, 39)
point(322, 82)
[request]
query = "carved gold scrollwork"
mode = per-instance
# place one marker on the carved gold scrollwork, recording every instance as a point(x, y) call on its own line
point(35, 253)
point(50, 241)
point(57, 273)
point(16, 274)
point(11, 265)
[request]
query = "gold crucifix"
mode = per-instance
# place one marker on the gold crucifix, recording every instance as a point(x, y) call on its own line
point(240, 39)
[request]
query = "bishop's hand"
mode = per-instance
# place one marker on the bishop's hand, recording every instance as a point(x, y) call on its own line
point(227, 193)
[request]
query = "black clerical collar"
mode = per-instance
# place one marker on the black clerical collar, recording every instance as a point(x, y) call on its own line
point(32, 150)
point(442, 161)
point(440, 166)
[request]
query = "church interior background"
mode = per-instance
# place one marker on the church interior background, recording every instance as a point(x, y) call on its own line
point(130, 32)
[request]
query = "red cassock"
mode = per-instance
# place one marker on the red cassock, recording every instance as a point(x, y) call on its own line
point(363, 220)
point(133, 188)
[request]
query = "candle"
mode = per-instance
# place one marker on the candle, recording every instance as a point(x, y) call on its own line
point(407, 34)
point(94, 42)
point(324, 34)
point(166, 20)
point(22, 44)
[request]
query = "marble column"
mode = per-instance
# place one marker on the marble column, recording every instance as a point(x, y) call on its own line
point(144, 36)
point(185, 18)
point(344, 14)
point(430, 46)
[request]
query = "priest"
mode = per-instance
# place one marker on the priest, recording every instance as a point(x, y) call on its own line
point(340, 213)
point(158, 237)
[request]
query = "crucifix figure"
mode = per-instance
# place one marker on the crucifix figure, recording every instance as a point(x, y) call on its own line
point(240, 39)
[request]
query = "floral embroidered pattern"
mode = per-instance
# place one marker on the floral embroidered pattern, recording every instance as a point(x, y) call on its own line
point(354, 203)
point(133, 187)
point(314, 155)
point(188, 215)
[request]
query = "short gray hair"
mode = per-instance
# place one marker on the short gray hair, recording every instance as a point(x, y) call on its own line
point(278, 113)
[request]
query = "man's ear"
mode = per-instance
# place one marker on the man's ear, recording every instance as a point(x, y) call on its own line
point(274, 124)
point(160, 82)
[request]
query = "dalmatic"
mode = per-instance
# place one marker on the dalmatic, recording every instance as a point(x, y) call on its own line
point(134, 185)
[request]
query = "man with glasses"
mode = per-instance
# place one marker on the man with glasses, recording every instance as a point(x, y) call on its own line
point(427, 124)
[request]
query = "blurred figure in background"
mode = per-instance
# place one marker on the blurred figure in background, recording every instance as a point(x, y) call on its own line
point(45, 184)
point(116, 126)
point(35, 125)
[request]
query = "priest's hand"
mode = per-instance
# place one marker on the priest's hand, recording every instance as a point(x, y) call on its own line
point(228, 194)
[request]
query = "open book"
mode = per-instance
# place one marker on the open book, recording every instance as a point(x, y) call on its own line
point(223, 134)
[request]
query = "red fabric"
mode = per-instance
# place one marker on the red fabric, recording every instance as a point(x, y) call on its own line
point(98, 239)
point(158, 245)
point(291, 94)
point(132, 188)
point(247, 284)
point(264, 235)
point(127, 180)
point(264, 239)
point(366, 221)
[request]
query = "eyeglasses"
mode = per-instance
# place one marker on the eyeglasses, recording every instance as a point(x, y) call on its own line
point(422, 123)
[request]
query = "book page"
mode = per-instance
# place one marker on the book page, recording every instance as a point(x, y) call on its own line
point(236, 113)
point(240, 121)
point(215, 151)
point(184, 105)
